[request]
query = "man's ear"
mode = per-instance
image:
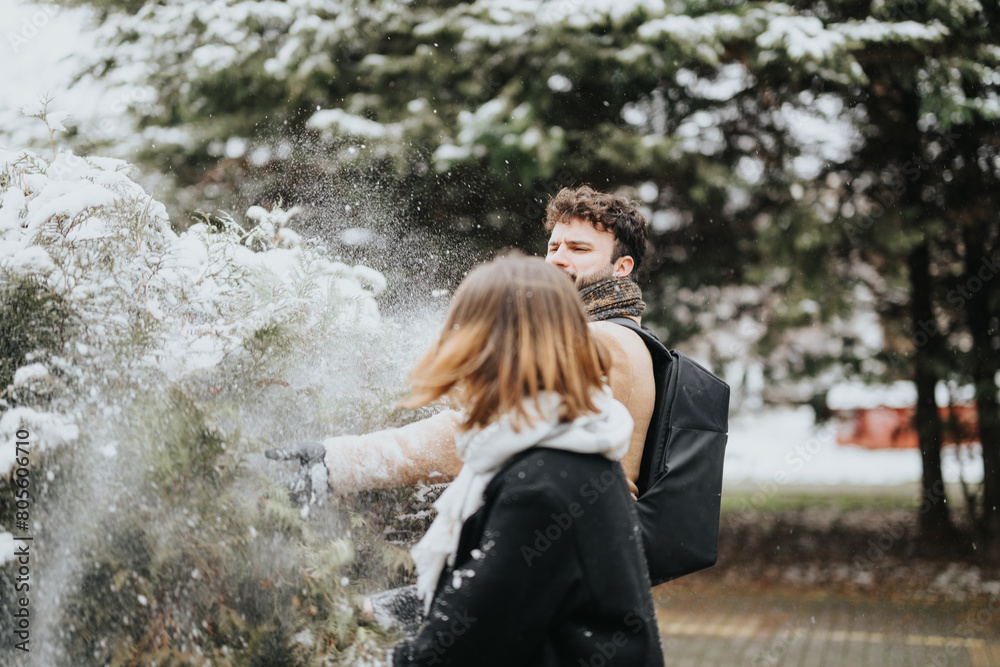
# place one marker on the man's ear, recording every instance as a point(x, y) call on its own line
point(623, 266)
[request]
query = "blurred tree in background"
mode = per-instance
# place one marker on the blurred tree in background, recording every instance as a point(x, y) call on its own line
point(810, 168)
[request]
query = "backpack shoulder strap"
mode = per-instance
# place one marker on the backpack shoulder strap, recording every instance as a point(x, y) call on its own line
point(664, 369)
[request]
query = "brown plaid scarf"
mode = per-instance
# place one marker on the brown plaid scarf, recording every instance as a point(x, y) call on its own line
point(612, 297)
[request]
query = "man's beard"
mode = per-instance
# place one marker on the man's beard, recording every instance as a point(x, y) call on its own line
point(584, 281)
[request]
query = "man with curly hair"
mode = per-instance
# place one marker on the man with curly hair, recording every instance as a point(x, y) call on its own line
point(599, 241)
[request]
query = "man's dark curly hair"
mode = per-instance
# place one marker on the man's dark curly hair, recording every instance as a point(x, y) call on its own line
point(606, 213)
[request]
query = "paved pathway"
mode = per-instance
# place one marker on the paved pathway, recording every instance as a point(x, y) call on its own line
point(785, 628)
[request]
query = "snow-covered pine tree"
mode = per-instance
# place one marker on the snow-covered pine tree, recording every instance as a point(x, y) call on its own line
point(146, 370)
point(914, 202)
point(472, 114)
point(793, 155)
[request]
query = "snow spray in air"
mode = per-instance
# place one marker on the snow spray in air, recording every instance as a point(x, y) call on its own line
point(147, 371)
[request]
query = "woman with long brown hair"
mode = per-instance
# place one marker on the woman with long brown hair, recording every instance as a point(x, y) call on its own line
point(534, 557)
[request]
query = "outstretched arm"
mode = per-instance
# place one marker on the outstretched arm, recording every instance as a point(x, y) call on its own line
point(423, 451)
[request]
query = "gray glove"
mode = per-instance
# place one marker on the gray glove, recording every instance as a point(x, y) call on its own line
point(399, 609)
point(310, 484)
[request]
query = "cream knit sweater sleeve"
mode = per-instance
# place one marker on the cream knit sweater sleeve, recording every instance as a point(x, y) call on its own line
point(423, 451)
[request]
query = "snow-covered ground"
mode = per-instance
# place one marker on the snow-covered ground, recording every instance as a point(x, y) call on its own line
point(783, 446)
point(779, 446)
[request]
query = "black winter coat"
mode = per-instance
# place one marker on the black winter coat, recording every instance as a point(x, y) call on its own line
point(549, 571)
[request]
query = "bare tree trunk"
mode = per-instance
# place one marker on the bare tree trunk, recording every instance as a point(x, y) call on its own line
point(935, 520)
point(979, 285)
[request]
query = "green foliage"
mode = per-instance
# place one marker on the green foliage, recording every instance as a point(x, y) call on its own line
point(207, 561)
point(34, 320)
point(187, 455)
point(165, 358)
point(267, 337)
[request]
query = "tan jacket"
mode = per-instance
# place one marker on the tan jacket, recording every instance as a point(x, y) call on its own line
point(424, 451)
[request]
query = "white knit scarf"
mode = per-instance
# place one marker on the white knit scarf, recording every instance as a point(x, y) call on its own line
point(485, 450)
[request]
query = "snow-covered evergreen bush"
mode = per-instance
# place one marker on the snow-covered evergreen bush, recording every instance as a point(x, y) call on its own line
point(150, 368)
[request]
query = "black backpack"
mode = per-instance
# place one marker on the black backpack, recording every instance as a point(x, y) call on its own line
point(680, 478)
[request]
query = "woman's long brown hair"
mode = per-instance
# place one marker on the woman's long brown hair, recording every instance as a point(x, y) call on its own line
point(516, 328)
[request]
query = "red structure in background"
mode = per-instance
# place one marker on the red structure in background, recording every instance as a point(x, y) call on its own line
point(892, 428)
